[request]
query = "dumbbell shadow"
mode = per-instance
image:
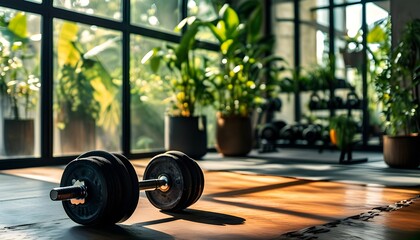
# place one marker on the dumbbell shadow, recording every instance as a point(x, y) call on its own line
point(101, 188)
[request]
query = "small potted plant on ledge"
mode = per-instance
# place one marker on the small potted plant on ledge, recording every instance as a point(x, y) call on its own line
point(19, 85)
point(185, 127)
point(398, 88)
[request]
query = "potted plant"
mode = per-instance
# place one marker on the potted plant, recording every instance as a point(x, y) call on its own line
point(19, 85)
point(245, 76)
point(398, 88)
point(343, 129)
point(185, 126)
point(86, 94)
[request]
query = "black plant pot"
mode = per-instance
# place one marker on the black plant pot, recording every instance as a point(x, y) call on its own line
point(186, 134)
point(19, 136)
point(234, 135)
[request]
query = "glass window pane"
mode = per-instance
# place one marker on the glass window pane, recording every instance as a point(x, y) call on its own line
point(156, 14)
point(152, 95)
point(148, 91)
point(107, 9)
point(19, 83)
point(87, 84)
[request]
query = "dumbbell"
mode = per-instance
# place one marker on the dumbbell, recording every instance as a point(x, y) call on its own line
point(102, 188)
point(271, 131)
point(312, 133)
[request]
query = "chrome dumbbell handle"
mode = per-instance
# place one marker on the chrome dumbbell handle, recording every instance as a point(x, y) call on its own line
point(80, 191)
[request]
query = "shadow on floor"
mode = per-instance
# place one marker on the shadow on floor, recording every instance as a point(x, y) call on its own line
point(197, 216)
point(207, 217)
point(114, 232)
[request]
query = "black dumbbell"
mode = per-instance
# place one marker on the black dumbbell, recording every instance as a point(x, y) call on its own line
point(100, 188)
point(271, 131)
point(353, 101)
point(312, 133)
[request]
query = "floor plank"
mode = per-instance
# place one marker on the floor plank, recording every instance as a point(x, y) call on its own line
point(234, 205)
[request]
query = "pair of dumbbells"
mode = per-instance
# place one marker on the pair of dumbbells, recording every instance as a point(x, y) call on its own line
point(101, 188)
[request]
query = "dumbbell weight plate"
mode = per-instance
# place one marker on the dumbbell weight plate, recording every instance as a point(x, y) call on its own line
point(133, 200)
point(127, 201)
point(179, 182)
point(101, 189)
point(196, 175)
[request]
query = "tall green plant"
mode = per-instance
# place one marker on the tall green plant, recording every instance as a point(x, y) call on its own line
point(187, 84)
point(398, 85)
point(247, 71)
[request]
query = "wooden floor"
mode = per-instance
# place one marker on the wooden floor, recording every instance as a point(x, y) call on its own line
point(233, 206)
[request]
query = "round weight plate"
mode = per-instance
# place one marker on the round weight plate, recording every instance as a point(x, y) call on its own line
point(126, 202)
point(179, 182)
point(93, 174)
point(115, 188)
point(132, 200)
point(197, 177)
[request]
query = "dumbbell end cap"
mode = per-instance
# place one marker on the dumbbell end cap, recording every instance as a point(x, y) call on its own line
point(54, 195)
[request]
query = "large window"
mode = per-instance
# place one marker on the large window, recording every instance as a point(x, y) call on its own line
point(71, 70)
point(19, 83)
point(332, 38)
point(87, 88)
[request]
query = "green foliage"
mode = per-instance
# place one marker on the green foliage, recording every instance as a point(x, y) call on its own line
point(398, 85)
point(85, 86)
point(19, 79)
point(247, 73)
point(187, 85)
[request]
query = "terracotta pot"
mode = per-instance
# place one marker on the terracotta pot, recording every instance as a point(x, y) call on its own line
point(233, 135)
point(402, 151)
point(186, 134)
point(19, 136)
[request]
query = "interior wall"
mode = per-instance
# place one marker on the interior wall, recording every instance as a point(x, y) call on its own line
point(401, 12)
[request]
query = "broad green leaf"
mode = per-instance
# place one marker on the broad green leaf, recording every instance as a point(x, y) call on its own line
point(230, 18)
point(224, 47)
point(187, 42)
point(219, 33)
point(18, 25)
point(66, 53)
point(155, 63)
point(376, 35)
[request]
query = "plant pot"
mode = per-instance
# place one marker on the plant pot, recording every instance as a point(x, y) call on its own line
point(19, 137)
point(401, 151)
point(353, 59)
point(233, 135)
point(78, 135)
point(186, 134)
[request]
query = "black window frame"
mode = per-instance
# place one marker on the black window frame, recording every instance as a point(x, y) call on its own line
point(48, 13)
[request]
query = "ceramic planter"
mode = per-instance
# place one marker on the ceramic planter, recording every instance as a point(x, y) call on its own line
point(401, 151)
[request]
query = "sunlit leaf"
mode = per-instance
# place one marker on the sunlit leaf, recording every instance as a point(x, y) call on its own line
point(66, 53)
point(18, 25)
